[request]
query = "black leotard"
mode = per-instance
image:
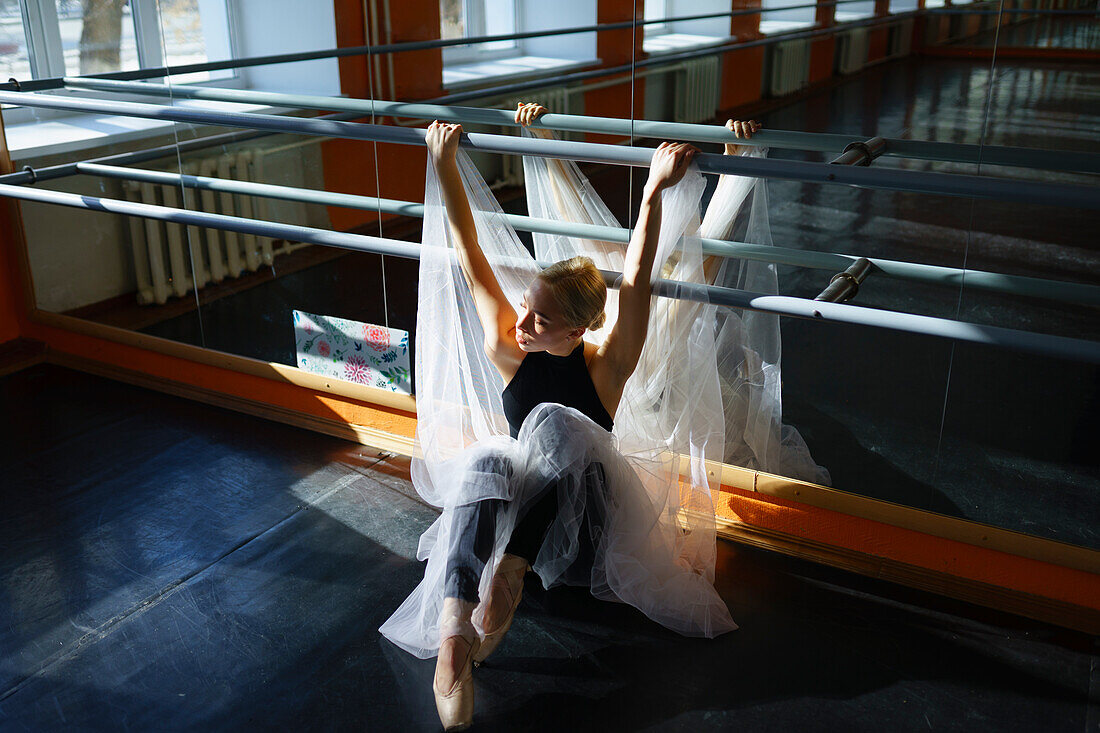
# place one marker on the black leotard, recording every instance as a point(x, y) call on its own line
point(543, 377)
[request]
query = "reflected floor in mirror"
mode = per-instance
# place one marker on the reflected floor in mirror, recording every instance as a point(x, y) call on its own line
point(895, 417)
point(166, 565)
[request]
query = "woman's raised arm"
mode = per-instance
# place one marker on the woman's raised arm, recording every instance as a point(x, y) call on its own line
point(728, 198)
point(624, 344)
point(497, 315)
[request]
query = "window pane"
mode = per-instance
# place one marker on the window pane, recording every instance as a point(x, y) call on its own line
point(14, 56)
point(195, 31)
point(655, 9)
point(500, 20)
point(97, 36)
point(452, 18)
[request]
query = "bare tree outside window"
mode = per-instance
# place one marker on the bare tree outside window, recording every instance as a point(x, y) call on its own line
point(452, 17)
point(100, 36)
point(14, 54)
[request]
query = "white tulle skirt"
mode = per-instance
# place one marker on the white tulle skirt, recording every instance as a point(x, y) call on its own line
point(612, 537)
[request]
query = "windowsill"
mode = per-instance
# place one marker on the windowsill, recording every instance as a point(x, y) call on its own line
point(54, 136)
point(666, 43)
point(775, 27)
point(849, 16)
point(467, 76)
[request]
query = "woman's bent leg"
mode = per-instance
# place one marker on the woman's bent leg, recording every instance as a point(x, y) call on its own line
point(473, 529)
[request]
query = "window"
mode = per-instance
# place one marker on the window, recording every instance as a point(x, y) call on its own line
point(471, 18)
point(471, 66)
point(656, 10)
point(673, 34)
point(15, 55)
point(50, 38)
point(786, 21)
point(854, 11)
point(41, 39)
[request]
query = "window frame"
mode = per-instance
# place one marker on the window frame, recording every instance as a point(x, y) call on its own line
point(656, 29)
point(42, 30)
point(475, 26)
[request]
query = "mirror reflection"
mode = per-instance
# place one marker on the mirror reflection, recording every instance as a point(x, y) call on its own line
point(972, 431)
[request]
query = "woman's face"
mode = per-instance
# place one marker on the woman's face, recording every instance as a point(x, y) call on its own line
point(540, 325)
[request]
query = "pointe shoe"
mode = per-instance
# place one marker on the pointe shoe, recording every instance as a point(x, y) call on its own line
point(456, 706)
point(501, 580)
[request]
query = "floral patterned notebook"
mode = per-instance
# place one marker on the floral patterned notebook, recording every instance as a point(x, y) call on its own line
point(353, 351)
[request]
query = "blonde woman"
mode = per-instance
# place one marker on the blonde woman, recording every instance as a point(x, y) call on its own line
point(557, 495)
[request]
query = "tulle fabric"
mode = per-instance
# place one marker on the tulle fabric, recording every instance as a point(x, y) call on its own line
point(747, 344)
point(635, 559)
point(656, 537)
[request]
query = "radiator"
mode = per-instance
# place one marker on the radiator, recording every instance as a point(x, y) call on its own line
point(851, 51)
point(163, 266)
point(555, 100)
point(788, 68)
point(697, 88)
point(899, 41)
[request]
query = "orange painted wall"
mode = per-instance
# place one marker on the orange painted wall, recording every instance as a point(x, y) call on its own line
point(742, 69)
point(349, 165)
point(877, 38)
point(823, 50)
point(615, 48)
point(11, 292)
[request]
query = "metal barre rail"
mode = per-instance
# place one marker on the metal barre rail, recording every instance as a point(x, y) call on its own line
point(949, 276)
point(824, 142)
point(889, 179)
point(1036, 343)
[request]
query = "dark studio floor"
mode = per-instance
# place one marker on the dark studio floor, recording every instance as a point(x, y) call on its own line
point(166, 565)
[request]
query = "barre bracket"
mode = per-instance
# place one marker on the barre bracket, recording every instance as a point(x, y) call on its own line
point(844, 285)
point(861, 153)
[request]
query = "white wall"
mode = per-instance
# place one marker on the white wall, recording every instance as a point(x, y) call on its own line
point(80, 257)
point(537, 15)
point(709, 27)
point(805, 15)
point(285, 26)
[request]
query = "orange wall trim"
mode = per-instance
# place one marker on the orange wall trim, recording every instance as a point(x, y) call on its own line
point(290, 397)
point(809, 524)
point(10, 291)
point(873, 538)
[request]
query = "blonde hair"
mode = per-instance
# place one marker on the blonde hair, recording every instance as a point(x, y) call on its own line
point(580, 291)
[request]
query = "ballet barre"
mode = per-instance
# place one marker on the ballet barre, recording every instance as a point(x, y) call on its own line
point(1078, 161)
point(1053, 194)
point(949, 276)
point(1061, 347)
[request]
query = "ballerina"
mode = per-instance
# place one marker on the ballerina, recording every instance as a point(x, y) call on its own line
point(556, 495)
point(748, 344)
